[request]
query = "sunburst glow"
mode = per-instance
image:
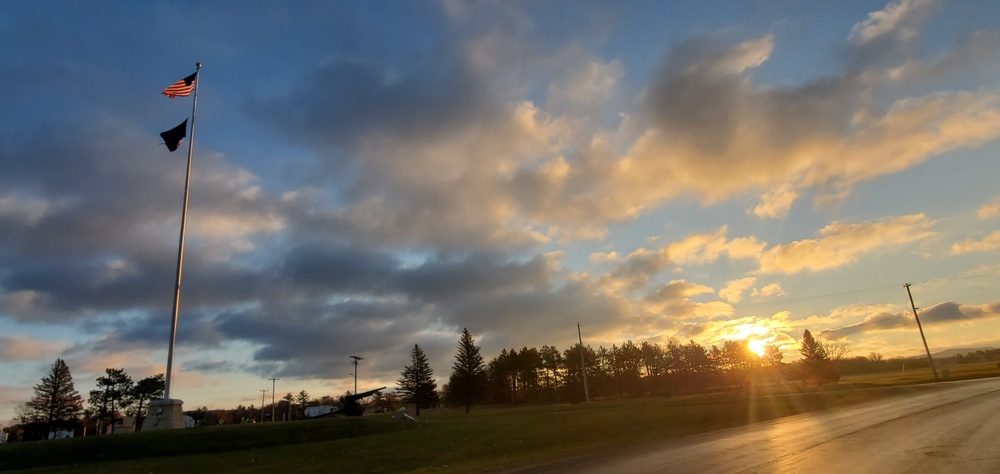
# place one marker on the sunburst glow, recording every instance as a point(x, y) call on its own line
point(757, 346)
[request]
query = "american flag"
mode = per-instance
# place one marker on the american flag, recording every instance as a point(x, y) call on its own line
point(181, 88)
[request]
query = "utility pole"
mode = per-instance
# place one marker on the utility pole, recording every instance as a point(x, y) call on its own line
point(262, 392)
point(583, 365)
point(355, 361)
point(272, 379)
point(930, 360)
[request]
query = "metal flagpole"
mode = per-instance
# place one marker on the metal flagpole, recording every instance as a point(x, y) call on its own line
point(583, 365)
point(180, 246)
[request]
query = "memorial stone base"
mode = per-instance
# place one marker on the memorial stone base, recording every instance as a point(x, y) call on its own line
point(164, 415)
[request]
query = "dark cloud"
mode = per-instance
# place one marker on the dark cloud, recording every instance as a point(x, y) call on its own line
point(474, 276)
point(210, 366)
point(673, 292)
point(942, 313)
point(91, 217)
point(949, 312)
point(349, 100)
point(703, 96)
point(689, 331)
point(878, 322)
point(388, 308)
point(336, 268)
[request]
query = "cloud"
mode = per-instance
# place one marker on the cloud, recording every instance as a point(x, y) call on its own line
point(210, 366)
point(988, 243)
point(601, 257)
point(766, 291)
point(875, 322)
point(26, 208)
point(842, 243)
point(673, 301)
point(989, 210)
point(17, 347)
point(636, 269)
point(708, 247)
point(678, 290)
point(379, 304)
point(708, 130)
point(415, 140)
point(733, 291)
point(776, 203)
point(939, 314)
point(896, 19)
point(583, 90)
point(372, 100)
point(104, 238)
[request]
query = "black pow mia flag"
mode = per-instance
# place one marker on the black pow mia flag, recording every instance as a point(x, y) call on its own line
point(172, 138)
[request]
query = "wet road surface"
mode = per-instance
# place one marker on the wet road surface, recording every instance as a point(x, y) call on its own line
point(952, 430)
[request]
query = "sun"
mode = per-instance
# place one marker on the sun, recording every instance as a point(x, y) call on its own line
point(757, 346)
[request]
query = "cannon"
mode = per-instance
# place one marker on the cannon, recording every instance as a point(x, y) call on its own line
point(349, 405)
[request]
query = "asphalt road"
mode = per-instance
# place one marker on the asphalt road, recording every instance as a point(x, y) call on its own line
point(952, 430)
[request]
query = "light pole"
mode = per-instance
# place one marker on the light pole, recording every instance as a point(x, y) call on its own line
point(583, 365)
point(355, 360)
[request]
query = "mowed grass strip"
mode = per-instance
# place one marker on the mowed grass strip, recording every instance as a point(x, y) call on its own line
point(485, 440)
point(214, 440)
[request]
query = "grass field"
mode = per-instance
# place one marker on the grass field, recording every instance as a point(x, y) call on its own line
point(488, 439)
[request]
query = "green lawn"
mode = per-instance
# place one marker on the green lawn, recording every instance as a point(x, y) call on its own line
point(902, 375)
point(486, 440)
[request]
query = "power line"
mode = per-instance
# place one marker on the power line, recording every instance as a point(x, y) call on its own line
point(272, 379)
point(262, 392)
point(930, 360)
point(355, 362)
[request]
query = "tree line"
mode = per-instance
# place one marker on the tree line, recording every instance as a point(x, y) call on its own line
point(57, 406)
point(526, 375)
point(548, 375)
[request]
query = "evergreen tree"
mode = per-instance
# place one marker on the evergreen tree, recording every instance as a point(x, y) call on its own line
point(815, 364)
point(113, 394)
point(417, 381)
point(468, 378)
point(144, 391)
point(289, 408)
point(56, 401)
point(811, 349)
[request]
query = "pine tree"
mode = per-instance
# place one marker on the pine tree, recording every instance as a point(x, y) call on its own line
point(144, 391)
point(468, 378)
point(811, 349)
point(417, 381)
point(815, 364)
point(113, 394)
point(56, 401)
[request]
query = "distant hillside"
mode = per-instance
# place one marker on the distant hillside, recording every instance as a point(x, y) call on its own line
point(955, 352)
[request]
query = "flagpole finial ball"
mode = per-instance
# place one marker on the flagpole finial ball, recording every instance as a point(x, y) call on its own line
point(197, 65)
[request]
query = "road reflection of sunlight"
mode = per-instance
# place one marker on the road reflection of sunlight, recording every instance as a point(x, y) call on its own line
point(781, 439)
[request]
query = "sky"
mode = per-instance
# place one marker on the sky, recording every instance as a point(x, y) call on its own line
point(372, 175)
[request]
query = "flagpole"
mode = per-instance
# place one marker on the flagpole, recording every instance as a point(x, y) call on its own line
point(180, 245)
